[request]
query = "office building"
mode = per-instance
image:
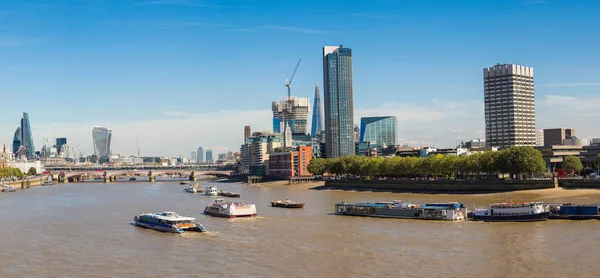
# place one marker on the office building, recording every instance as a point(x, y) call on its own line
point(290, 163)
point(378, 131)
point(16, 140)
point(539, 137)
point(101, 137)
point(475, 144)
point(200, 155)
point(26, 137)
point(209, 156)
point(316, 127)
point(509, 105)
point(59, 143)
point(247, 133)
point(557, 136)
point(339, 106)
point(194, 156)
point(255, 152)
point(294, 111)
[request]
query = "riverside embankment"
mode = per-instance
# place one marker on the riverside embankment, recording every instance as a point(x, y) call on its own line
point(441, 186)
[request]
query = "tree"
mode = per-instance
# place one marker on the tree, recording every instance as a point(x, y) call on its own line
point(521, 160)
point(32, 172)
point(572, 163)
point(316, 166)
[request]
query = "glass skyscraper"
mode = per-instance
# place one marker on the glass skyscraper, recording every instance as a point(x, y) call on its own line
point(316, 127)
point(101, 137)
point(26, 137)
point(339, 106)
point(378, 131)
point(200, 155)
point(209, 156)
point(16, 140)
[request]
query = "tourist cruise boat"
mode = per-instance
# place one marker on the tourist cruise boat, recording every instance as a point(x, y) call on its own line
point(523, 212)
point(211, 191)
point(399, 209)
point(168, 222)
point(222, 208)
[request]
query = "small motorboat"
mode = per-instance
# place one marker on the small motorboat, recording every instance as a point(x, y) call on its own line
point(286, 204)
point(8, 189)
point(132, 179)
point(211, 191)
point(184, 182)
point(195, 188)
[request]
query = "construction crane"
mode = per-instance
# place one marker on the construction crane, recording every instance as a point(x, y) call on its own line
point(138, 147)
point(288, 82)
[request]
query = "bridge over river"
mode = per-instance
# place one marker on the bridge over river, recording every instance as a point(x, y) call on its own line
point(112, 175)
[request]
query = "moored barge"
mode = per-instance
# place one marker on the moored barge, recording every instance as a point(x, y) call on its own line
point(574, 212)
point(512, 212)
point(398, 209)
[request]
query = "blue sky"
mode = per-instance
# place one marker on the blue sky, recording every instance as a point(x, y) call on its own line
point(176, 74)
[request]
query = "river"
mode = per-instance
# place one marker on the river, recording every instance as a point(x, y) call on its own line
point(84, 230)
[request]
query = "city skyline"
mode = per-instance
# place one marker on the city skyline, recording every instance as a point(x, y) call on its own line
point(162, 68)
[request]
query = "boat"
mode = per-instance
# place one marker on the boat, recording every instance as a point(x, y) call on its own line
point(132, 179)
point(229, 194)
point(512, 212)
point(211, 191)
point(195, 188)
point(8, 188)
point(168, 222)
point(400, 209)
point(286, 204)
point(184, 182)
point(225, 209)
point(47, 183)
point(574, 212)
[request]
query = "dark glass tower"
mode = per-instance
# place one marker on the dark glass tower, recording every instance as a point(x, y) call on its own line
point(26, 137)
point(60, 142)
point(16, 140)
point(339, 106)
point(316, 127)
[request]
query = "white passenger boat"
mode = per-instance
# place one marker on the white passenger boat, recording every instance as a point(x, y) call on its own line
point(509, 212)
point(168, 222)
point(211, 191)
point(222, 208)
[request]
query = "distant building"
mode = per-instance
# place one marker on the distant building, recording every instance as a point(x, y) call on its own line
point(294, 111)
point(475, 144)
point(595, 141)
point(60, 142)
point(101, 137)
point(339, 103)
point(317, 127)
point(255, 152)
point(290, 163)
point(16, 140)
point(379, 131)
point(200, 155)
point(229, 155)
point(209, 156)
point(356, 133)
point(557, 136)
point(574, 141)
point(247, 132)
point(509, 106)
point(194, 156)
point(26, 137)
point(539, 137)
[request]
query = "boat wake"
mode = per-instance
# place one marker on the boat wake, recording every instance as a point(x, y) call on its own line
point(204, 234)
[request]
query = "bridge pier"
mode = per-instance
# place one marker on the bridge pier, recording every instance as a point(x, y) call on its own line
point(192, 178)
point(151, 178)
point(107, 179)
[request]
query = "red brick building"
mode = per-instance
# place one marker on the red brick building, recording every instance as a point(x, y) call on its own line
point(290, 163)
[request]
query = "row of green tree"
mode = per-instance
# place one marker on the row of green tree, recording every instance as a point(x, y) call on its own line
point(11, 172)
point(516, 161)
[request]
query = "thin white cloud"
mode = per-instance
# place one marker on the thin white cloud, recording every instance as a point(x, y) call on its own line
point(8, 42)
point(575, 84)
point(294, 29)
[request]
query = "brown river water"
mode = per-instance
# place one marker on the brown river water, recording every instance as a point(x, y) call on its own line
point(84, 230)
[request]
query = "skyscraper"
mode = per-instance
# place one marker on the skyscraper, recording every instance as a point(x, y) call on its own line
point(247, 133)
point(60, 142)
point(193, 156)
point(316, 127)
point(209, 156)
point(339, 107)
point(26, 137)
point(378, 131)
point(16, 140)
point(101, 137)
point(294, 111)
point(509, 105)
point(200, 155)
